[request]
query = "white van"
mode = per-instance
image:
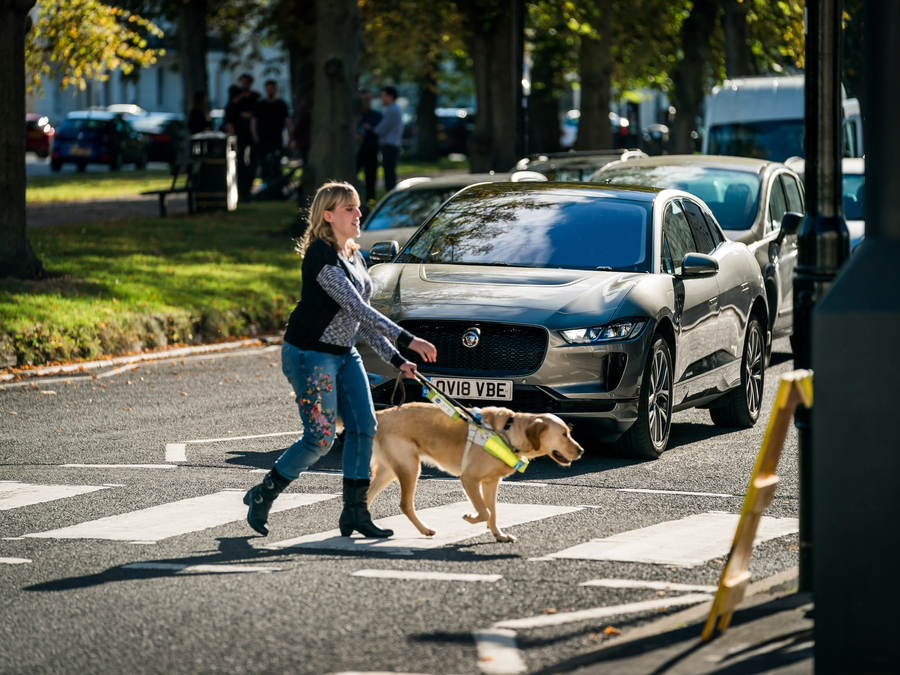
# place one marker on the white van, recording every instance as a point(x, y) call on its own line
point(762, 117)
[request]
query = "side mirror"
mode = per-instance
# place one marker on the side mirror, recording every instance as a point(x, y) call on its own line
point(790, 224)
point(384, 251)
point(699, 265)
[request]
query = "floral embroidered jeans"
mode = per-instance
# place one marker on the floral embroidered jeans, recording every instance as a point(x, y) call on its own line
point(327, 385)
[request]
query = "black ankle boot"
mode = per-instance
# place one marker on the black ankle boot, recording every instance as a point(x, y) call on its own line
point(355, 515)
point(260, 499)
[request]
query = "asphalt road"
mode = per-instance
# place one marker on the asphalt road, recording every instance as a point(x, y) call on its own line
point(87, 600)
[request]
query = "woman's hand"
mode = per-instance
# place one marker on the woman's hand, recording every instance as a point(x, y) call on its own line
point(425, 349)
point(408, 369)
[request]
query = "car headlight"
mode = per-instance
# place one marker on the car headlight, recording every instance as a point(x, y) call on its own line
point(618, 330)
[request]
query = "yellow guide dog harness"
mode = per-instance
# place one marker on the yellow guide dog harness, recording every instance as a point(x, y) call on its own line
point(480, 433)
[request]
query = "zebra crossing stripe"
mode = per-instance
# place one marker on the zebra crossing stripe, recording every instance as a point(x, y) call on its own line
point(652, 585)
point(498, 653)
point(14, 495)
point(682, 543)
point(447, 520)
point(176, 518)
point(14, 561)
point(412, 575)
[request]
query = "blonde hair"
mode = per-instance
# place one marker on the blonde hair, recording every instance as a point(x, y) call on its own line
point(329, 197)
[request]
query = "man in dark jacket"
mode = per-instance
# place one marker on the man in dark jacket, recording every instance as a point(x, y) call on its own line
point(367, 157)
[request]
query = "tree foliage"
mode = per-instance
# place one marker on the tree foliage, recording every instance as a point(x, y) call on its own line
point(76, 41)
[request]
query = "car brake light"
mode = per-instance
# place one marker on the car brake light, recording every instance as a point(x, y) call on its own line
point(160, 138)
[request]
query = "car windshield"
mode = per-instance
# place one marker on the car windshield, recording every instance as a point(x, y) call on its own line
point(732, 196)
point(536, 228)
point(152, 124)
point(854, 196)
point(74, 125)
point(774, 140)
point(408, 208)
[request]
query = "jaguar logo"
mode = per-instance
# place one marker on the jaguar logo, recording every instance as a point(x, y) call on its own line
point(471, 337)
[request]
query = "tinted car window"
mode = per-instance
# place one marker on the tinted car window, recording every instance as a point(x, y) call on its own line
point(775, 140)
point(536, 228)
point(794, 196)
point(854, 187)
point(679, 241)
point(408, 208)
point(732, 196)
point(703, 238)
point(73, 126)
point(777, 205)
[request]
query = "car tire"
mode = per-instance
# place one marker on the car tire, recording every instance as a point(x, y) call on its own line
point(742, 405)
point(648, 436)
point(55, 165)
point(81, 167)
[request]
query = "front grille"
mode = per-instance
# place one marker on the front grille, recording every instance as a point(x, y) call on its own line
point(503, 350)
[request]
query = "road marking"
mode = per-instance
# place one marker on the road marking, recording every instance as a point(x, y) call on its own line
point(118, 466)
point(447, 520)
point(684, 543)
point(175, 452)
point(426, 576)
point(498, 653)
point(653, 585)
point(674, 492)
point(14, 561)
point(244, 438)
point(13, 494)
point(174, 519)
point(521, 483)
point(602, 612)
point(200, 569)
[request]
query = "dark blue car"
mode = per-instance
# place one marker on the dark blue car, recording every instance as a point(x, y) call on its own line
point(97, 137)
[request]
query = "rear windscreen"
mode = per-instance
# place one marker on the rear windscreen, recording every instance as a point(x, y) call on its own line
point(775, 140)
point(75, 125)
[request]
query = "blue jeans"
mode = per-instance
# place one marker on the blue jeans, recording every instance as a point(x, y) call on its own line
point(328, 385)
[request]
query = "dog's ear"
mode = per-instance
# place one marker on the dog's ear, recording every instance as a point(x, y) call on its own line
point(533, 432)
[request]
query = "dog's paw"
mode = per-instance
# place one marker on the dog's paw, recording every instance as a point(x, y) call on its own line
point(505, 538)
point(474, 518)
point(429, 533)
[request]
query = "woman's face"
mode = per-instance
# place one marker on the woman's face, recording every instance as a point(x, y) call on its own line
point(344, 220)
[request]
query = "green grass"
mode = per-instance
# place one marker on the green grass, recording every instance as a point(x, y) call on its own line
point(125, 183)
point(121, 286)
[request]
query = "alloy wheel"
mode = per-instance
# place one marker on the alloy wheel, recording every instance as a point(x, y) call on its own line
point(660, 402)
point(754, 372)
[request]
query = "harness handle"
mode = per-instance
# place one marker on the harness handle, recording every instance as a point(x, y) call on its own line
point(398, 385)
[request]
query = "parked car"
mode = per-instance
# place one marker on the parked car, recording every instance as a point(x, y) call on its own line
point(125, 109)
point(610, 306)
point(165, 133)
point(98, 137)
point(38, 135)
point(577, 166)
point(854, 190)
point(749, 198)
point(407, 206)
point(453, 128)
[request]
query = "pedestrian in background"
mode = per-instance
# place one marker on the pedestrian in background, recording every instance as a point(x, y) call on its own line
point(246, 149)
point(367, 157)
point(390, 135)
point(198, 119)
point(323, 366)
point(267, 126)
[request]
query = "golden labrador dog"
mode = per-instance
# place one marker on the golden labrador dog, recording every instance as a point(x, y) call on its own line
point(415, 433)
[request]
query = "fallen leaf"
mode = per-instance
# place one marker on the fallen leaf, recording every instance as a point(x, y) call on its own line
point(130, 382)
point(486, 658)
point(238, 379)
point(226, 379)
point(719, 560)
point(793, 548)
point(126, 408)
point(660, 593)
point(56, 431)
point(661, 609)
point(257, 375)
point(183, 393)
point(609, 630)
point(13, 412)
point(549, 610)
point(272, 365)
point(48, 392)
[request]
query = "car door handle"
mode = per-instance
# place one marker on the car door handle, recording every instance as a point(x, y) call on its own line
point(745, 287)
point(713, 301)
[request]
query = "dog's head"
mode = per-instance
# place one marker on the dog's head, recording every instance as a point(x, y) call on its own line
point(537, 435)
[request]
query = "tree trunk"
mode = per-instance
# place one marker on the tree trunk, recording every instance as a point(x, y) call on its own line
point(192, 47)
point(16, 256)
point(689, 75)
point(481, 140)
point(543, 104)
point(426, 118)
point(594, 131)
point(504, 92)
point(738, 61)
point(333, 151)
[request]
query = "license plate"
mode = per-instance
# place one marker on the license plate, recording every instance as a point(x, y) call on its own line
point(482, 390)
point(78, 151)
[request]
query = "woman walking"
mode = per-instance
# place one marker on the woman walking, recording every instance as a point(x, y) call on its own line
point(323, 366)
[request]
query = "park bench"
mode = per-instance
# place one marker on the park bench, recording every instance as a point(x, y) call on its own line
point(191, 172)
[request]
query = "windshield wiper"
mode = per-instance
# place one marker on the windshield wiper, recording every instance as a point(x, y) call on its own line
point(604, 268)
point(500, 262)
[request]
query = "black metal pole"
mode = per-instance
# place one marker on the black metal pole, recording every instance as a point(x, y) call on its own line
point(519, 42)
point(823, 241)
point(855, 330)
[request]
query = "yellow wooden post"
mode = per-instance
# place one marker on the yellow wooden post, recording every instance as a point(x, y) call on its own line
point(795, 388)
